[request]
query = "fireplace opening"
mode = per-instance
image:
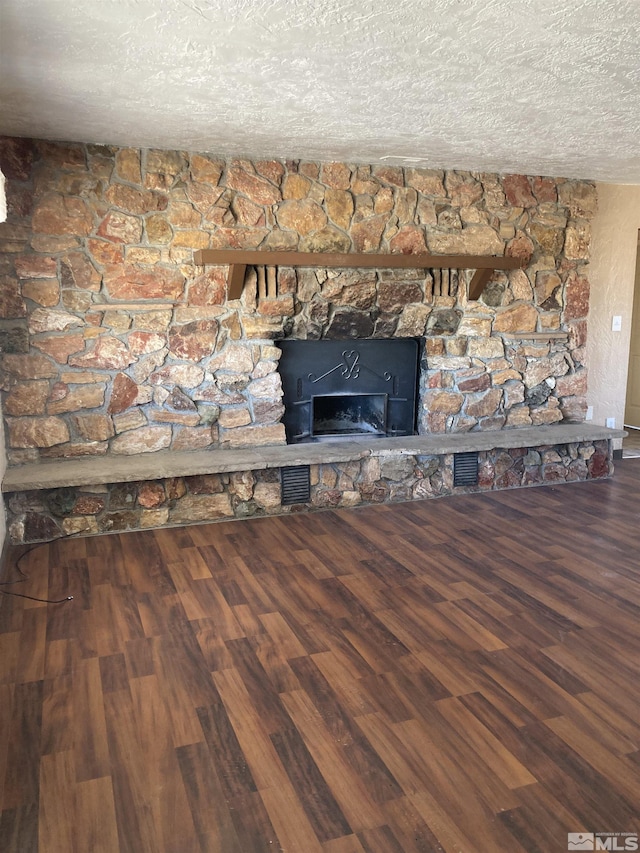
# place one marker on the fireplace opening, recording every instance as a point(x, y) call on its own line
point(348, 414)
point(338, 389)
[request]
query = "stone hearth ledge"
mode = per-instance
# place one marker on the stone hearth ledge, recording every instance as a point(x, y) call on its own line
point(186, 463)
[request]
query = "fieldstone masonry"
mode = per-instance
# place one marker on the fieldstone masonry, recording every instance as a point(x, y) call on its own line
point(114, 342)
point(51, 513)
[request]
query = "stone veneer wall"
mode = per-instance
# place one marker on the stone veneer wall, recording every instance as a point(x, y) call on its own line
point(51, 513)
point(115, 343)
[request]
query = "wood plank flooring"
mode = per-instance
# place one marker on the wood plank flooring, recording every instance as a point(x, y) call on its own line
point(453, 675)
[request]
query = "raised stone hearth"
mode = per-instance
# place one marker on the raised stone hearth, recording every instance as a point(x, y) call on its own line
point(84, 497)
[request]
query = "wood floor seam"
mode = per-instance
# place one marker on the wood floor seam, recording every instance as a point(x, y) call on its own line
point(458, 676)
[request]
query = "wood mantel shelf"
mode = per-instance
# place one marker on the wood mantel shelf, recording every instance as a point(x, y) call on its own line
point(238, 261)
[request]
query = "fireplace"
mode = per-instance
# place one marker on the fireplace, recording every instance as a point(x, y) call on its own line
point(341, 389)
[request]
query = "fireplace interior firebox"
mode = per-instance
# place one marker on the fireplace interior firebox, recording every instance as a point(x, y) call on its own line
point(341, 389)
point(349, 414)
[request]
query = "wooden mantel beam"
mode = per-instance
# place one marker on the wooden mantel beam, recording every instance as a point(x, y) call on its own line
point(239, 260)
point(362, 261)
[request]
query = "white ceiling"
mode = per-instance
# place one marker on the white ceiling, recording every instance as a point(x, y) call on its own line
point(547, 87)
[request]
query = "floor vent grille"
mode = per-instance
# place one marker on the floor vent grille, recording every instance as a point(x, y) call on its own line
point(465, 469)
point(296, 484)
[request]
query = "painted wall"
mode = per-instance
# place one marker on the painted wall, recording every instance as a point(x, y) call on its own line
point(614, 242)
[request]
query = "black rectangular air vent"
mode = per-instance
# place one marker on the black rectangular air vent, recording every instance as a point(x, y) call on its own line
point(296, 484)
point(465, 469)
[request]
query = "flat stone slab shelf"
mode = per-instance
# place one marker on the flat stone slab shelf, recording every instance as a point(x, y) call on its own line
point(168, 463)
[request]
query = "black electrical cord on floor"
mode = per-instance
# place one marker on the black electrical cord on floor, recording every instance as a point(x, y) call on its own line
point(25, 577)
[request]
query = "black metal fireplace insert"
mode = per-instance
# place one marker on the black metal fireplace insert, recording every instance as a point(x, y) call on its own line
point(338, 389)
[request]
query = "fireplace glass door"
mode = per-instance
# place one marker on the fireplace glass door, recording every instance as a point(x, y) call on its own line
point(348, 414)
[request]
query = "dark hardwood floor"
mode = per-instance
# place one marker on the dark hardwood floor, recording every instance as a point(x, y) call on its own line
point(452, 675)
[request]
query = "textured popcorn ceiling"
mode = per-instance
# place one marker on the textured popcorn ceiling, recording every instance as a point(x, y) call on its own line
point(537, 86)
